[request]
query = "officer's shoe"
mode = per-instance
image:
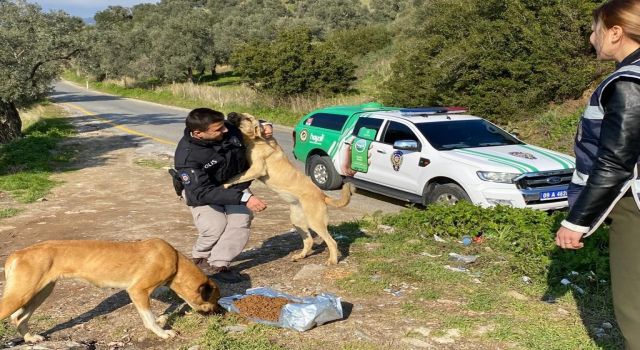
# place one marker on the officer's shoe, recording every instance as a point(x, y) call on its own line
point(203, 265)
point(225, 274)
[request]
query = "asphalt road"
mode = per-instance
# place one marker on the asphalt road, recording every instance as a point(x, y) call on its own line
point(163, 127)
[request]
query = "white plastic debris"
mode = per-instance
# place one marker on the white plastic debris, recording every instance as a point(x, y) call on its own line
point(430, 255)
point(455, 268)
point(567, 282)
point(439, 239)
point(467, 259)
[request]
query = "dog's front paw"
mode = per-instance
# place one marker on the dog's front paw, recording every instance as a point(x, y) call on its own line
point(168, 333)
point(297, 257)
point(331, 262)
point(33, 338)
point(162, 320)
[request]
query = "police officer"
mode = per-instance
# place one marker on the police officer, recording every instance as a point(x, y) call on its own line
point(210, 153)
point(607, 150)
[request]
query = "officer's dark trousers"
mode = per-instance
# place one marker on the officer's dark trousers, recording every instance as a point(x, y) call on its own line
point(624, 255)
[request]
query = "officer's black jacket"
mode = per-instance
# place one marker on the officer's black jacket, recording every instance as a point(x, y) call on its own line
point(204, 166)
point(619, 150)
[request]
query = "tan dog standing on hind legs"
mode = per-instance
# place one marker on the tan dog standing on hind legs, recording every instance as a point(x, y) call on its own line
point(139, 267)
point(270, 165)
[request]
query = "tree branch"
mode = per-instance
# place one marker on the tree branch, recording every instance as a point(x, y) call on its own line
point(35, 68)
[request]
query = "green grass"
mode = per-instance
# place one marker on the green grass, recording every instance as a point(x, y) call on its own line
point(447, 300)
point(359, 346)
point(9, 212)
point(3, 329)
point(554, 129)
point(256, 336)
point(278, 115)
point(153, 163)
point(27, 163)
point(222, 79)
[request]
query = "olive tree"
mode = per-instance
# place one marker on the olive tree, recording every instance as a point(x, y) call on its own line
point(33, 47)
point(504, 59)
point(294, 64)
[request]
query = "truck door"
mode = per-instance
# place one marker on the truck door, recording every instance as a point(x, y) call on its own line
point(393, 167)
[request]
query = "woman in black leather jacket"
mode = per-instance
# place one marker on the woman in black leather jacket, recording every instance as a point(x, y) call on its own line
point(607, 153)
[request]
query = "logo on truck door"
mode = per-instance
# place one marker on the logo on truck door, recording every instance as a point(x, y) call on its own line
point(396, 160)
point(316, 139)
point(303, 135)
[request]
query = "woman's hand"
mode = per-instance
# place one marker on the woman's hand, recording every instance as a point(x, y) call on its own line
point(568, 239)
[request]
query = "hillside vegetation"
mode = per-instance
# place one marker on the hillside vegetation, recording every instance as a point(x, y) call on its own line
point(504, 60)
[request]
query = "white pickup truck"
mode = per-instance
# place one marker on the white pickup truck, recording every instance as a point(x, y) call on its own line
point(427, 155)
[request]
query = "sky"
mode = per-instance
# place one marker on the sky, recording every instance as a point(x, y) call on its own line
point(85, 8)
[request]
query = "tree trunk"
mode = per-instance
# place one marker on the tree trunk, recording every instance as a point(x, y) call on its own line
point(10, 123)
point(214, 76)
point(190, 74)
point(201, 74)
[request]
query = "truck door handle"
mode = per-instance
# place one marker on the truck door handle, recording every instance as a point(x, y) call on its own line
point(381, 151)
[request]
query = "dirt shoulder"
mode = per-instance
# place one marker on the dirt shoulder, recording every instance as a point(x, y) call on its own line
point(108, 195)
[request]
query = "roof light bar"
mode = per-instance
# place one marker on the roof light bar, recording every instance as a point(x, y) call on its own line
point(421, 111)
point(456, 109)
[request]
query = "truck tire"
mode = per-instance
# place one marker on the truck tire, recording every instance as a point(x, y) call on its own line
point(323, 174)
point(448, 194)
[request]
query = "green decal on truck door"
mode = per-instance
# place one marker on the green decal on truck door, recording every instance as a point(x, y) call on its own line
point(360, 149)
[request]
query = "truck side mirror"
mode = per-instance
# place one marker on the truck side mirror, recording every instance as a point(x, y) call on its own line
point(406, 145)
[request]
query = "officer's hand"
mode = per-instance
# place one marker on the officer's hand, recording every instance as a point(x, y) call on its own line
point(267, 131)
point(568, 239)
point(346, 164)
point(347, 171)
point(255, 204)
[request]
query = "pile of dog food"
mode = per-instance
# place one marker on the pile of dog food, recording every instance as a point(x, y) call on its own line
point(261, 307)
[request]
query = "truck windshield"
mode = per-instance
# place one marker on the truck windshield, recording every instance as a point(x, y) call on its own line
point(458, 134)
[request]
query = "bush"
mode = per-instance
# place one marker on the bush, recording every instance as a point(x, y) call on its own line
point(525, 237)
point(294, 64)
point(502, 59)
point(360, 41)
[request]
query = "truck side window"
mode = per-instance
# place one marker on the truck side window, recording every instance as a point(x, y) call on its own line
point(371, 123)
point(327, 121)
point(397, 131)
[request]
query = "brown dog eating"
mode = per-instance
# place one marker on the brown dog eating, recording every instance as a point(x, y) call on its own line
point(139, 267)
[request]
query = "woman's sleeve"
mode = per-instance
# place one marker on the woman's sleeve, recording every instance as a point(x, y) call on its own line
point(618, 151)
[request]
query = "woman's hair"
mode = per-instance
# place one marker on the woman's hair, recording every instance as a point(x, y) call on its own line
point(623, 13)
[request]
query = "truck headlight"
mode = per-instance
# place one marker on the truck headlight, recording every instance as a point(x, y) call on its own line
point(505, 178)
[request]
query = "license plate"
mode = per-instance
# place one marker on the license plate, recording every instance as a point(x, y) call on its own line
point(551, 195)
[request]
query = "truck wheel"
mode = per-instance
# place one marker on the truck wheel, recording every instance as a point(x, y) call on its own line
point(323, 174)
point(448, 194)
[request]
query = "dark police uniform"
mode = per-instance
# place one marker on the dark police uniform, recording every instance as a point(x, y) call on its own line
point(220, 214)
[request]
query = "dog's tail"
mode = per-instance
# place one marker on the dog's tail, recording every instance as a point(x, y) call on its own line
point(345, 198)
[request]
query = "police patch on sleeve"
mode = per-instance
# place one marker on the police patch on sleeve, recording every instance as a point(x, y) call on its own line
point(185, 178)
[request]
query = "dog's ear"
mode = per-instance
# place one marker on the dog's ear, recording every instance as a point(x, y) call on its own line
point(234, 118)
point(209, 291)
point(205, 290)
